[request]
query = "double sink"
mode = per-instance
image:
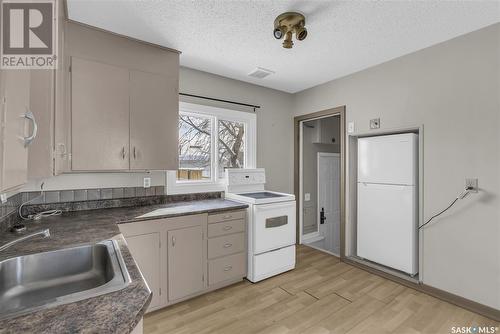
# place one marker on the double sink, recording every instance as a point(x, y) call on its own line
point(38, 281)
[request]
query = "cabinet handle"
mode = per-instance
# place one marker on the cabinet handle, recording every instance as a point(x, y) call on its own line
point(228, 245)
point(134, 153)
point(123, 152)
point(173, 241)
point(227, 268)
point(227, 228)
point(28, 140)
point(227, 216)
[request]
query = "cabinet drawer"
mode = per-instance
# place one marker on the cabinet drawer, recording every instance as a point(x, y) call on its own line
point(229, 267)
point(222, 217)
point(226, 245)
point(223, 228)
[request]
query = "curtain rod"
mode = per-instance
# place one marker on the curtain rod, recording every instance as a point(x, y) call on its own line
point(220, 100)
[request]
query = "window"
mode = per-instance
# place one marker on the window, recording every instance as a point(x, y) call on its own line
point(195, 147)
point(231, 140)
point(210, 141)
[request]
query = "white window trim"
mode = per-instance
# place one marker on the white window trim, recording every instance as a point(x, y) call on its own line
point(250, 119)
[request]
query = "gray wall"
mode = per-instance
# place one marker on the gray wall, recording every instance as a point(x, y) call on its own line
point(274, 120)
point(453, 90)
point(310, 167)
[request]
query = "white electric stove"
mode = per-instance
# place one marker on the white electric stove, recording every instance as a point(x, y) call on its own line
point(271, 223)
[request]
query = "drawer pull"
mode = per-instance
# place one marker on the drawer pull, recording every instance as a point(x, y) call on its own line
point(228, 245)
point(227, 216)
point(227, 228)
point(227, 268)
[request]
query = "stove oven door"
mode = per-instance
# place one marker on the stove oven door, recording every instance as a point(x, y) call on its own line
point(273, 226)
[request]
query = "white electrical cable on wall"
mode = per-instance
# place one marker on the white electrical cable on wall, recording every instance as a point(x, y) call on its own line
point(38, 215)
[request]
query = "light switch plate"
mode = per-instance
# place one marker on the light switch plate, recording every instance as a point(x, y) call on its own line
point(350, 127)
point(375, 123)
point(307, 197)
point(147, 182)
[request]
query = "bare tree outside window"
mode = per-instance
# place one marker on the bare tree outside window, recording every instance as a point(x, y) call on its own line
point(195, 138)
point(194, 148)
point(231, 145)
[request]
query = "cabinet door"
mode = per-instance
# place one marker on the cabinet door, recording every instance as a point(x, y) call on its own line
point(40, 157)
point(154, 117)
point(145, 249)
point(15, 106)
point(99, 116)
point(185, 262)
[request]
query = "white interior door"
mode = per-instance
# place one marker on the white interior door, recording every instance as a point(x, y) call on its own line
point(329, 200)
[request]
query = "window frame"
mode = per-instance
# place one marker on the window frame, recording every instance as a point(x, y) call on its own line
point(215, 114)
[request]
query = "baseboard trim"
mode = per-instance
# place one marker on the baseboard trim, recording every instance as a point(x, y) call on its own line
point(451, 298)
point(484, 310)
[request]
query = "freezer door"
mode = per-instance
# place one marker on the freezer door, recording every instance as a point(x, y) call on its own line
point(387, 226)
point(388, 159)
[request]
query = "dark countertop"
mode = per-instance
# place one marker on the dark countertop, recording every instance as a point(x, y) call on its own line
point(116, 312)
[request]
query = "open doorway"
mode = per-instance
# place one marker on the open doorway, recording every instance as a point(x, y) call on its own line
point(320, 186)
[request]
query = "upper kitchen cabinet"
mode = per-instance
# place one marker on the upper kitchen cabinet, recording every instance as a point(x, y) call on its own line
point(153, 110)
point(18, 127)
point(122, 107)
point(40, 151)
point(326, 130)
point(99, 116)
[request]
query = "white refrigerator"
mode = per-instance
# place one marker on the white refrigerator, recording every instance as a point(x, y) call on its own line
point(387, 207)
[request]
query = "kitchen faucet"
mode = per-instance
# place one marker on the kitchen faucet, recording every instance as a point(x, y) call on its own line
point(45, 233)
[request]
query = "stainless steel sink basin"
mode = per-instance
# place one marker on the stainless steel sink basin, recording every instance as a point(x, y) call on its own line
point(38, 281)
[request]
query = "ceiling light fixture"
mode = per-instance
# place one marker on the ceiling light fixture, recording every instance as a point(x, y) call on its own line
point(286, 24)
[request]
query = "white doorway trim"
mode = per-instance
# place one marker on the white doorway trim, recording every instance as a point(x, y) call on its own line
point(339, 111)
point(313, 236)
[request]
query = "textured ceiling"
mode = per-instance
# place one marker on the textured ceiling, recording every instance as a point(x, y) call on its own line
point(231, 38)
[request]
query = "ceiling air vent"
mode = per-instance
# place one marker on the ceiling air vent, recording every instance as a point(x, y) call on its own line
point(260, 73)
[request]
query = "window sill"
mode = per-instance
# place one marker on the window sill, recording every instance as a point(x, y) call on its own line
point(179, 188)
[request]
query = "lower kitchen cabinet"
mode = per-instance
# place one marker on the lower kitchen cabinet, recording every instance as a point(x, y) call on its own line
point(185, 256)
point(185, 262)
point(145, 249)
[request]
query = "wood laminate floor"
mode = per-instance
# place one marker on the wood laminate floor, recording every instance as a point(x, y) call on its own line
point(322, 295)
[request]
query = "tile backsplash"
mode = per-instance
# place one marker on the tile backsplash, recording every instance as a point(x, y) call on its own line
point(8, 210)
point(58, 196)
point(90, 199)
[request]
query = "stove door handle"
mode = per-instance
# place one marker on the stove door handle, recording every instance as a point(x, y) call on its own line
point(276, 221)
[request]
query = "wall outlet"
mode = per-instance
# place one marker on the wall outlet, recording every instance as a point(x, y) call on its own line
point(147, 182)
point(307, 197)
point(350, 127)
point(3, 198)
point(472, 182)
point(375, 123)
